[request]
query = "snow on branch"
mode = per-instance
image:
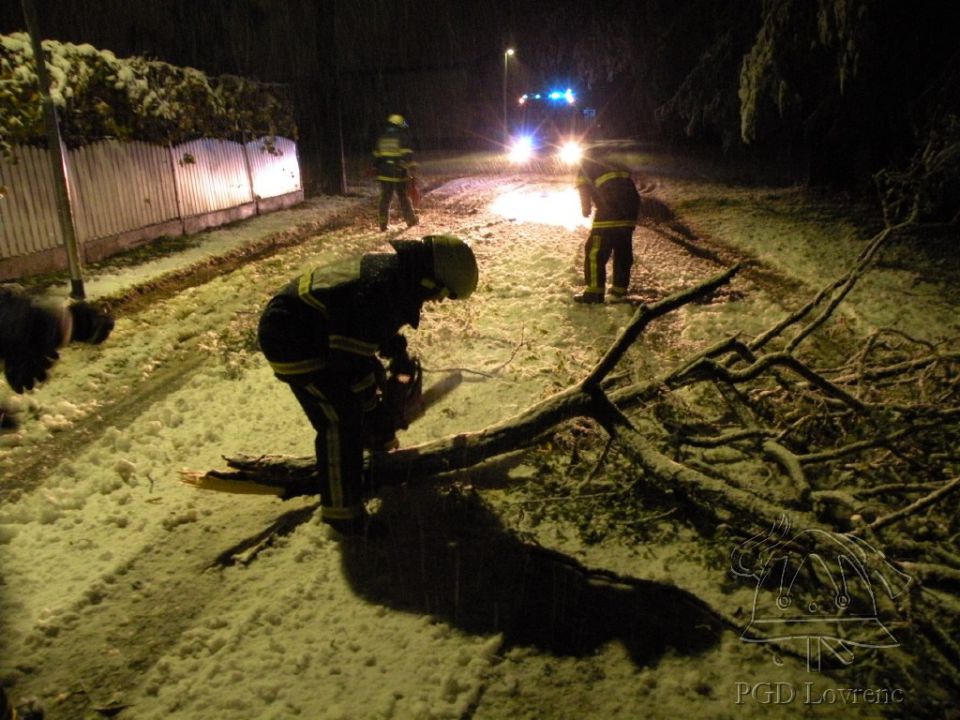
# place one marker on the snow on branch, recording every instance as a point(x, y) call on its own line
point(99, 96)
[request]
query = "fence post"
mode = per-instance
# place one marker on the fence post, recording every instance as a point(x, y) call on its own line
point(176, 188)
point(58, 158)
point(246, 163)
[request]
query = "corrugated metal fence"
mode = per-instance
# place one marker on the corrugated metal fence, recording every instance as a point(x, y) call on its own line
point(127, 192)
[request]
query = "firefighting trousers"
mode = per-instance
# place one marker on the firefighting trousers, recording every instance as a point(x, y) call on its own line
point(600, 246)
point(387, 190)
point(334, 400)
point(336, 413)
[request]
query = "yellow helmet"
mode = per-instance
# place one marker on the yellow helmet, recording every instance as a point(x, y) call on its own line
point(454, 265)
point(397, 120)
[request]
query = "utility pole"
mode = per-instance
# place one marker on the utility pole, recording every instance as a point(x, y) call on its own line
point(58, 158)
point(507, 54)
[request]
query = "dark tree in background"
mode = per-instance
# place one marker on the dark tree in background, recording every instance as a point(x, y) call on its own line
point(834, 90)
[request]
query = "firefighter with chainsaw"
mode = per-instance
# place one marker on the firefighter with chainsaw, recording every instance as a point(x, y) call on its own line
point(325, 334)
point(608, 186)
point(393, 161)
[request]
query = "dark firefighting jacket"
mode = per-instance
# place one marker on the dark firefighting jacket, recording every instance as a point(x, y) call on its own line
point(609, 187)
point(336, 320)
point(393, 155)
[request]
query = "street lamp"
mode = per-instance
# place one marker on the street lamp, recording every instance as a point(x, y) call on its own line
point(507, 54)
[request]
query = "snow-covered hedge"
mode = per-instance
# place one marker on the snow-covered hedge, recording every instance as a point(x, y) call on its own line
point(101, 96)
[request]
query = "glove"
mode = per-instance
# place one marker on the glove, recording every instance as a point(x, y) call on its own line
point(89, 324)
point(32, 346)
point(394, 347)
point(405, 365)
point(23, 371)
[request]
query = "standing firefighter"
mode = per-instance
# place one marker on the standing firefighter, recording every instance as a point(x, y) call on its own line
point(607, 185)
point(322, 335)
point(393, 160)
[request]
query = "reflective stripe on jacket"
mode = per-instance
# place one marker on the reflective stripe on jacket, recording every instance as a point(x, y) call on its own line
point(392, 155)
point(336, 319)
point(610, 188)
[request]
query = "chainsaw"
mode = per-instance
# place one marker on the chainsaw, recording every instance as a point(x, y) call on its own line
point(404, 401)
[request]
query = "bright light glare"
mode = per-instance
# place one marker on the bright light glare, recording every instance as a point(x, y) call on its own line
point(521, 150)
point(547, 207)
point(570, 152)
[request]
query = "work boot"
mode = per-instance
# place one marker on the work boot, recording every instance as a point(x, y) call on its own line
point(615, 295)
point(588, 298)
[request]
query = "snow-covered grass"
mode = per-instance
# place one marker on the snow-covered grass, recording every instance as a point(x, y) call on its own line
point(816, 239)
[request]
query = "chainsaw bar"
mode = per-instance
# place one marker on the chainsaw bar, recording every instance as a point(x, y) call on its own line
point(434, 394)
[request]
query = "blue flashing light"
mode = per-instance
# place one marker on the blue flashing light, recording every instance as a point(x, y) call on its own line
point(564, 95)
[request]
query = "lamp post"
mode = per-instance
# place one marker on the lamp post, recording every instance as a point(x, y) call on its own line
point(507, 54)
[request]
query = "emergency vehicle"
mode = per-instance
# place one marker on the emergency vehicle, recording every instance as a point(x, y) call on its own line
point(549, 124)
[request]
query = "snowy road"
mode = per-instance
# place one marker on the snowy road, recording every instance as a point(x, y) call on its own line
point(113, 600)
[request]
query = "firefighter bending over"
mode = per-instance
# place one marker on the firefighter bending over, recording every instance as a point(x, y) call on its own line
point(322, 335)
point(607, 185)
point(393, 160)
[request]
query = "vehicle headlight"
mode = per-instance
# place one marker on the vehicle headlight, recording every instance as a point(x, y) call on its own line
point(570, 152)
point(521, 149)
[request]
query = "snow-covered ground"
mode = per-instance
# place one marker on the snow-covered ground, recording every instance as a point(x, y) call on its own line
point(112, 599)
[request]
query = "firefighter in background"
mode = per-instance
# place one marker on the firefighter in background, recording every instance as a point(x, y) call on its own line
point(607, 185)
point(322, 335)
point(31, 333)
point(393, 160)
